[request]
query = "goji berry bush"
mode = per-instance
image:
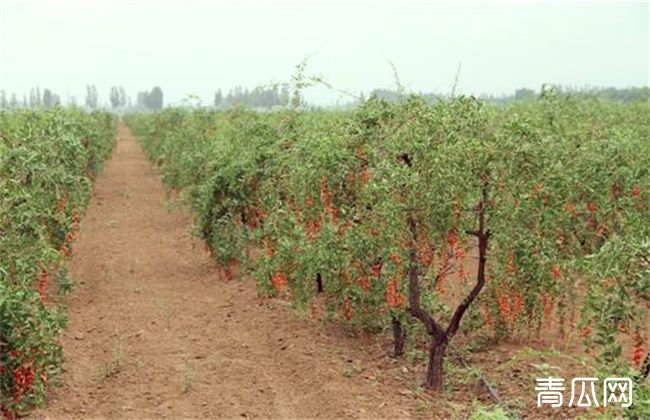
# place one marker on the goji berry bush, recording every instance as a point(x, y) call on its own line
point(430, 220)
point(48, 160)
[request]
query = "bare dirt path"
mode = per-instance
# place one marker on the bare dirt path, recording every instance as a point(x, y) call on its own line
point(155, 331)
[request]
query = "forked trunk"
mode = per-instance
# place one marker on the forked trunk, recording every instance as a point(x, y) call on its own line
point(440, 336)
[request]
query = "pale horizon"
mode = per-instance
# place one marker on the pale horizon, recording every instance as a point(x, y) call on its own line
point(195, 48)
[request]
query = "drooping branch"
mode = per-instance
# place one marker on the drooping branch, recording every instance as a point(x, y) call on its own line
point(444, 272)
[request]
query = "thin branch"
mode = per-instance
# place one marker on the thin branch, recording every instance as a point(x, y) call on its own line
point(456, 80)
point(483, 237)
point(484, 380)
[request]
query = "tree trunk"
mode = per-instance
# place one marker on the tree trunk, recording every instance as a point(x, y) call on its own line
point(319, 283)
point(435, 371)
point(398, 337)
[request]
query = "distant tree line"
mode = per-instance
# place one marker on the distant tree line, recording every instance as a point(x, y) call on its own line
point(278, 95)
point(632, 94)
point(92, 99)
point(36, 99)
point(259, 97)
point(117, 99)
point(152, 99)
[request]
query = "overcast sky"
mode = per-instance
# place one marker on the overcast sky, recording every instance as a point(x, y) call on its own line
point(196, 47)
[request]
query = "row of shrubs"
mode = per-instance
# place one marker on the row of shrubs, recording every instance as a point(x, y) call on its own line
point(429, 220)
point(48, 161)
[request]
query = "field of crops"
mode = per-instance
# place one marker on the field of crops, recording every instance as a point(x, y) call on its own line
point(48, 160)
point(446, 228)
point(444, 225)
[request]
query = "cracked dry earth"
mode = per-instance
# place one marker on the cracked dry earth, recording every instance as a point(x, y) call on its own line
point(155, 331)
